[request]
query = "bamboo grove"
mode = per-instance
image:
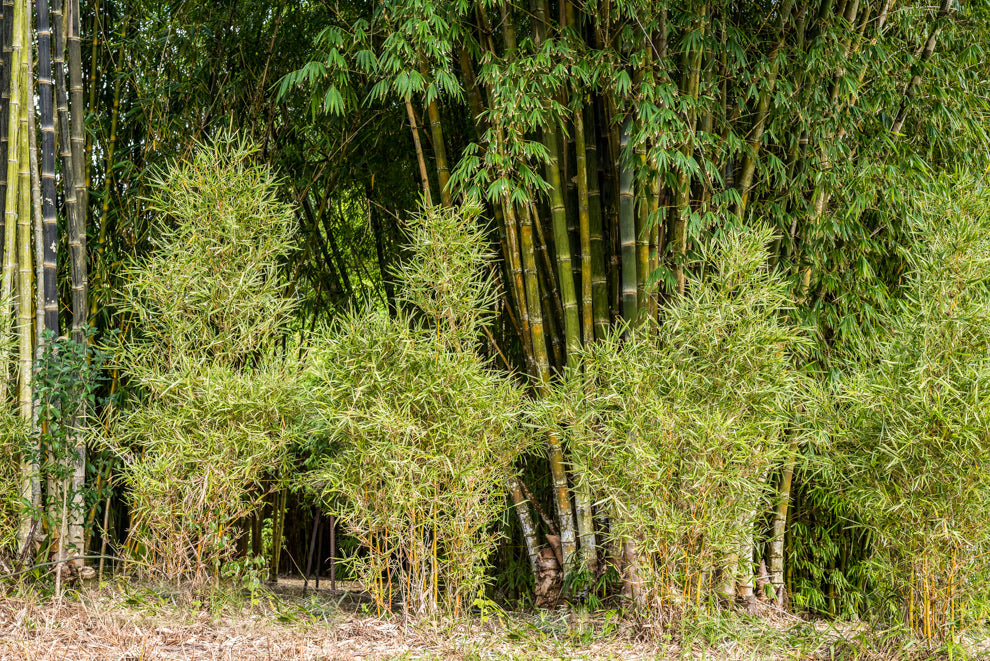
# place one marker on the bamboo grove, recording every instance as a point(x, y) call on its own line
point(634, 171)
point(52, 475)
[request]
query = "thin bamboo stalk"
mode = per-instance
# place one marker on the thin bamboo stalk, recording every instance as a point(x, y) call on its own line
point(95, 60)
point(926, 53)
point(690, 86)
point(763, 111)
point(6, 61)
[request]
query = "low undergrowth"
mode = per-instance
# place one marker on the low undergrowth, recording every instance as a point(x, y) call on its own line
point(121, 618)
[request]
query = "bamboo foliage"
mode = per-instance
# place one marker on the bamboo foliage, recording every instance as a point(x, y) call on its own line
point(916, 418)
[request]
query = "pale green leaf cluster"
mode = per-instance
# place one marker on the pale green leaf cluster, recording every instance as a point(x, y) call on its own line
point(213, 408)
point(678, 426)
point(423, 432)
point(13, 440)
point(914, 455)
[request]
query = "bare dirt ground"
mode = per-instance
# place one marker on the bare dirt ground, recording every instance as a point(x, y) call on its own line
point(125, 622)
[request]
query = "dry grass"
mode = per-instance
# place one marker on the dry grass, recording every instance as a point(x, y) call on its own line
point(141, 623)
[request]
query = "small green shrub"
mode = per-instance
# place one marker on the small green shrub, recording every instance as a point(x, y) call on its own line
point(13, 440)
point(423, 432)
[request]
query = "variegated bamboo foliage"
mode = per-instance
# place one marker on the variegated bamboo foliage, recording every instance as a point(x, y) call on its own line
point(677, 428)
point(420, 432)
point(213, 396)
point(914, 446)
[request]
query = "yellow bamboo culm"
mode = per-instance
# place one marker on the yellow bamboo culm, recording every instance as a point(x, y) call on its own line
point(388, 568)
point(436, 563)
point(910, 596)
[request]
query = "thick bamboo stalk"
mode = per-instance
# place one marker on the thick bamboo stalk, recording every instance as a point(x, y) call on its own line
point(532, 289)
point(633, 579)
point(583, 501)
point(473, 92)
point(77, 260)
point(655, 244)
point(25, 277)
point(39, 249)
point(561, 240)
point(550, 299)
point(565, 513)
point(642, 233)
point(17, 79)
point(439, 149)
point(780, 525)
point(558, 214)
point(25, 343)
point(744, 584)
point(514, 261)
point(47, 117)
point(77, 246)
point(526, 522)
point(599, 276)
point(423, 174)
point(78, 116)
point(584, 222)
point(627, 229)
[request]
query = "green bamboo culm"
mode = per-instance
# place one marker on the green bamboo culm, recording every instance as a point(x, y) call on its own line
point(6, 58)
point(627, 230)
